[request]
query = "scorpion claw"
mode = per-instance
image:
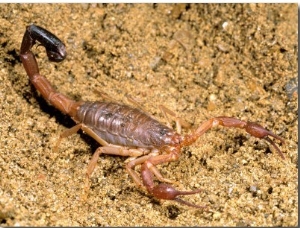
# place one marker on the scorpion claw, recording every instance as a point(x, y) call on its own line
point(167, 192)
point(275, 146)
point(258, 131)
point(178, 200)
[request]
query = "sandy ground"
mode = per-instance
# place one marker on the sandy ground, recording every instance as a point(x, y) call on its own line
point(199, 61)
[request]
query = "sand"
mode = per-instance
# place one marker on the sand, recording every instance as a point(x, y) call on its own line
point(200, 61)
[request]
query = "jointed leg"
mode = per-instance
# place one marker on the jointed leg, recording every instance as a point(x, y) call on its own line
point(130, 166)
point(67, 133)
point(130, 169)
point(112, 150)
point(107, 149)
point(179, 121)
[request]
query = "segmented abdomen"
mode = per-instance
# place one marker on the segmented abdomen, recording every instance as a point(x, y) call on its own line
point(122, 125)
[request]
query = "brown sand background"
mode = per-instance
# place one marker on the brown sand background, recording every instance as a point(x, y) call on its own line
point(199, 60)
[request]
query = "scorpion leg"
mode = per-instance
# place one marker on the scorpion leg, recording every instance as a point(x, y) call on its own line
point(74, 130)
point(253, 129)
point(130, 166)
point(65, 134)
point(112, 150)
point(132, 173)
point(105, 149)
point(104, 95)
point(108, 149)
point(179, 121)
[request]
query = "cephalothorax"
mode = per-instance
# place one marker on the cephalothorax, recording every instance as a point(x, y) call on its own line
point(122, 130)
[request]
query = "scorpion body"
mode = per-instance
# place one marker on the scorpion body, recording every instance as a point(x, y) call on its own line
point(123, 125)
point(123, 130)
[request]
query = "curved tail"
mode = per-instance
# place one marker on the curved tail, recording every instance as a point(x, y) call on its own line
point(56, 52)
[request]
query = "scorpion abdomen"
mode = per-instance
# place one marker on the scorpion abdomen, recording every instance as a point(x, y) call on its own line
point(122, 125)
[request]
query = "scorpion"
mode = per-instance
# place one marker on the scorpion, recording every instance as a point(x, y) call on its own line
point(122, 130)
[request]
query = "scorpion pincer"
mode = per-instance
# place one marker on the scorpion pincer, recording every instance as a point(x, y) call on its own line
point(123, 130)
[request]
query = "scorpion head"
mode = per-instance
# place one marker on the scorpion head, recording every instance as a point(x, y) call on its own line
point(170, 137)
